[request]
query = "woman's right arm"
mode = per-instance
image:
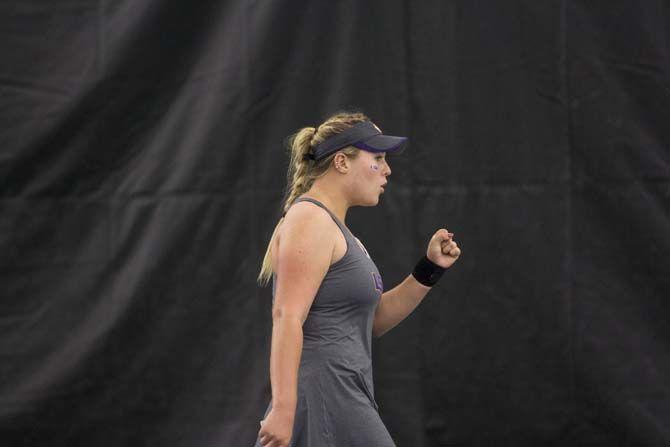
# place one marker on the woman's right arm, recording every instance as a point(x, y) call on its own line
point(303, 258)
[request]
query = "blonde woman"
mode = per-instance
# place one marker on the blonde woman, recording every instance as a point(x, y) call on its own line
point(328, 295)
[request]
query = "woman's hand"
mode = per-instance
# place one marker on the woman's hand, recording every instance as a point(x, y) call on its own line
point(442, 249)
point(276, 428)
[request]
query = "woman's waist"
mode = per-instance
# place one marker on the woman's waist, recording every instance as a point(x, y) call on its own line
point(343, 351)
point(326, 362)
point(337, 341)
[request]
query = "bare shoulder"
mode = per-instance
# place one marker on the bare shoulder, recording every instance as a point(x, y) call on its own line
point(306, 216)
point(307, 210)
point(303, 255)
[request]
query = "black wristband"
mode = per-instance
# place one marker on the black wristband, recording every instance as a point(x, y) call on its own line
point(427, 272)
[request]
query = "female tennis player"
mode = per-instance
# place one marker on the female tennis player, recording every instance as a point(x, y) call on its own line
point(328, 298)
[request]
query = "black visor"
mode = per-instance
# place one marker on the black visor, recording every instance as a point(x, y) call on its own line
point(363, 135)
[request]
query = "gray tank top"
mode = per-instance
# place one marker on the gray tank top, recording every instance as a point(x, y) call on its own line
point(344, 305)
point(336, 404)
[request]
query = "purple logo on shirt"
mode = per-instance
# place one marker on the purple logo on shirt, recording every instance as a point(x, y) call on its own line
point(379, 285)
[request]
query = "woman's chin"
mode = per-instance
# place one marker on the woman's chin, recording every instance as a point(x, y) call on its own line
point(371, 200)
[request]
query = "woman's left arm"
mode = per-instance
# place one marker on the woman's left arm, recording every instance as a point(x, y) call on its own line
point(396, 304)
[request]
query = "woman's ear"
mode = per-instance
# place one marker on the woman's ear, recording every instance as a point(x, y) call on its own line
point(341, 162)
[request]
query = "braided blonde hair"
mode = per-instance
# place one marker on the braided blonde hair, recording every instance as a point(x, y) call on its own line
point(302, 173)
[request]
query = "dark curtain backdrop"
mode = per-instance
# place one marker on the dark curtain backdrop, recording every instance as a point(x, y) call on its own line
point(141, 173)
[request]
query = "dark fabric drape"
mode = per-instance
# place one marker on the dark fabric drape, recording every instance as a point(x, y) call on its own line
point(142, 169)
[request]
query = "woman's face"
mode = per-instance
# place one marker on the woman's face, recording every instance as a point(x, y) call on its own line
point(369, 171)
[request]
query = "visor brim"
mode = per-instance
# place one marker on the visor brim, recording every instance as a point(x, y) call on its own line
point(383, 143)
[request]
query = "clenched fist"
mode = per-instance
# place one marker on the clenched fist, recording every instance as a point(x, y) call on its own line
point(442, 249)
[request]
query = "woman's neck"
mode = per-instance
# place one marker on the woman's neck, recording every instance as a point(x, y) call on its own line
point(331, 200)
